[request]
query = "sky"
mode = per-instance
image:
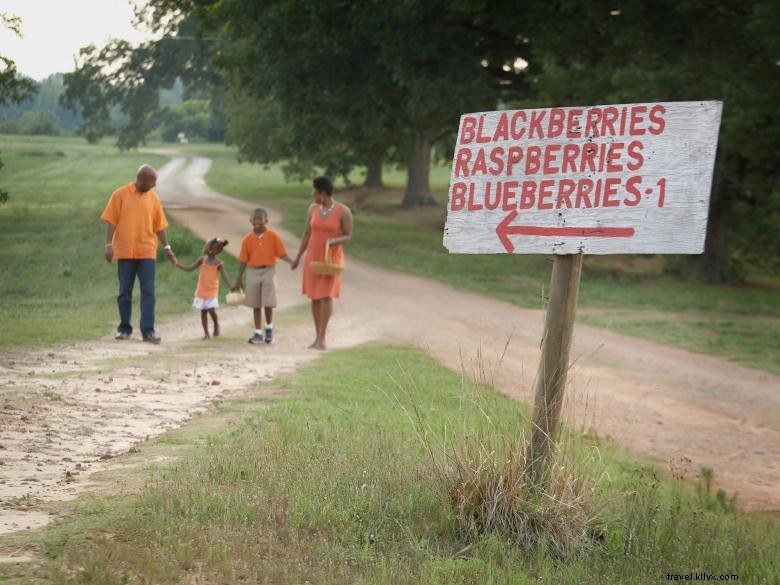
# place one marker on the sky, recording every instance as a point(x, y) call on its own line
point(53, 31)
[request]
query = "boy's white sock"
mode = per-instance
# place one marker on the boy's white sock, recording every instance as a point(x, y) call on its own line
point(258, 331)
point(269, 326)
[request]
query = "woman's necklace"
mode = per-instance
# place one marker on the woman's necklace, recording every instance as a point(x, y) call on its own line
point(326, 211)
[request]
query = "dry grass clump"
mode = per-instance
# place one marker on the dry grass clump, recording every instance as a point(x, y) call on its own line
point(491, 493)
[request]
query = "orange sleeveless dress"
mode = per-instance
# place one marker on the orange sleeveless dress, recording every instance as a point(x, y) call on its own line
point(208, 287)
point(317, 286)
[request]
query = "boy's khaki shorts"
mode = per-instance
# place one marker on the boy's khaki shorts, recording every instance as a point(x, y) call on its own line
point(260, 287)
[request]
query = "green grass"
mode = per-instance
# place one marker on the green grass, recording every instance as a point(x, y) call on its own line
point(629, 295)
point(56, 285)
point(332, 484)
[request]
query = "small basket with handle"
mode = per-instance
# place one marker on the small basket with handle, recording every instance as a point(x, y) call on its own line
point(328, 267)
point(235, 297)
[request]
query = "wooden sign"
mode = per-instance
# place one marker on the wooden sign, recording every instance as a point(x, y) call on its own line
point(632, 178)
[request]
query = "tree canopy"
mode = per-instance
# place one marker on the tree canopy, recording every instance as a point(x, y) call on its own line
point(340, 84)
point(13, 87)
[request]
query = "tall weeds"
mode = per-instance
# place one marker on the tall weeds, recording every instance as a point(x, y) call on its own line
point(479, 463)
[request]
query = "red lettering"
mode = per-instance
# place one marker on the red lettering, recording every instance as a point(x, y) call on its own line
point(550, 156)
point(473, 206)
point(611, 188)
point(592, 123)
point(623, 112)
point(527, 194)
point(565, 190)
point(462, 162)
point(536, 124)
point(481, 139)
point(502, 129)
point(497, 192)
point(458, 198)
point(632, 187)
point(588, 157)
point(573, 127)
point(608, 121)
point(515, 156)
point(635, 152)
point(517, 133)
point(570, 152)
point(615, 150)
point(555, 126)
point(656, 116)
point(532, 163)
point(545, 192)
point(480, 165)
point(510, 192)
point(602, 156)
point(637, 120)
point(467, 133)
point(597, 198)
point(497, 157)
point(584, 187)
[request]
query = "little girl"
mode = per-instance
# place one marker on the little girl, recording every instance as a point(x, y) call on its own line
point(207, 293)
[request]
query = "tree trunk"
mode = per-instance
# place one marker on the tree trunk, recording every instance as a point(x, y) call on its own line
point(418, 181)
point(716, 258)
point(374, 174)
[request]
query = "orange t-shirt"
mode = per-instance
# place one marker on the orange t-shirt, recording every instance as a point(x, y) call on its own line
point(137, 218)
point(262, 250)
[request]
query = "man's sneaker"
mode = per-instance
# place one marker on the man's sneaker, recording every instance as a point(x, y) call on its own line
point(256, 339)
point(269, 335)
point(152, 338)
point(121, 335)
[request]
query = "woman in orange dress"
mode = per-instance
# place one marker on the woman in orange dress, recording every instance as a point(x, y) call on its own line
point(329, 223)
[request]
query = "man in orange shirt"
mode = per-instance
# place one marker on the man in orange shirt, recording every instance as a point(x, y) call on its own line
point(135, 220)
point(260, 249)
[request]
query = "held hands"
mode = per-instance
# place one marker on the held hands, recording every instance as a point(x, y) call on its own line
point(172, 257)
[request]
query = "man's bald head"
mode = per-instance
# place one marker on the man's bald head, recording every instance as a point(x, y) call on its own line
point(146, 178)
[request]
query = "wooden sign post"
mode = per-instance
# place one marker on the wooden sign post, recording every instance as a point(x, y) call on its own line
point(617, 179)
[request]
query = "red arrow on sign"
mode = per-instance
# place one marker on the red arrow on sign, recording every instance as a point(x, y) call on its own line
point(506, 229)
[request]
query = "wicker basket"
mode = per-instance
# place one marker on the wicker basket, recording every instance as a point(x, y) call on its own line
point(235, 297)
point(327, 268)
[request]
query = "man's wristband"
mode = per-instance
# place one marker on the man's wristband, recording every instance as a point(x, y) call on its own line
point(109, 245)
point(167, 247)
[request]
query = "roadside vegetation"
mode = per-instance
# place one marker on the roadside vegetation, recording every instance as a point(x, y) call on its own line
point(56, 286)
point(333, 483)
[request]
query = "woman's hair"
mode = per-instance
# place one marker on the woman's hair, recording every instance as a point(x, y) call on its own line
point(213, 241)
point(323, 184)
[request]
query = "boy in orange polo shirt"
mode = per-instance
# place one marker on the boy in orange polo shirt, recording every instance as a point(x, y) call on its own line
point(135, 221)
point(260, 250)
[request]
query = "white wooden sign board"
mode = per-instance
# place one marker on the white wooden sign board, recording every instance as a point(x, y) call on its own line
point(629, 178)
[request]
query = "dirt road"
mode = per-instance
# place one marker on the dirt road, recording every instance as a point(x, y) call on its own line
point(67, 412)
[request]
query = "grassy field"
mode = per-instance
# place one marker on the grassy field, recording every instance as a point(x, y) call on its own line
point(628, 294)
point(52, 242)
point(334, 484)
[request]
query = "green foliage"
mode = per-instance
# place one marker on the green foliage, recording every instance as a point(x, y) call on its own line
point(131, 77)
point(44, 102)
point(648, 51)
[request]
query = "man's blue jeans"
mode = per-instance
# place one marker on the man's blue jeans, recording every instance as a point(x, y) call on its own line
point(127, 270)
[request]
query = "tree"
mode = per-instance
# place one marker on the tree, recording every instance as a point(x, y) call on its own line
point(13, 88)
point(446, 58)
point(682, 50)
point(132, 77)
